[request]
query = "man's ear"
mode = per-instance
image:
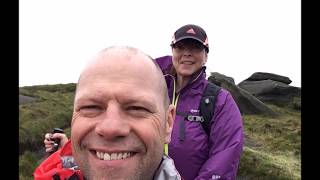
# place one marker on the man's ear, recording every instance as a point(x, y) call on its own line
point(171, 115)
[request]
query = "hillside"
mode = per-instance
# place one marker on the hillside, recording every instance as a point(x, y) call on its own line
point(272, 145)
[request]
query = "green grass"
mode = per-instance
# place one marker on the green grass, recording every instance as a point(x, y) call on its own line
point(258, 164)
point(272, 145)
point(27, 164)
point(52, 108)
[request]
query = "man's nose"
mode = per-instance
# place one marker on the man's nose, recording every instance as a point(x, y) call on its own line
point(112, 125)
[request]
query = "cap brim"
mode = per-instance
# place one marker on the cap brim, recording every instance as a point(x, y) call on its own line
point(191, 37)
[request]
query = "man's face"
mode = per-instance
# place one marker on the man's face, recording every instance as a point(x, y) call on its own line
point(188, 56)
point(118, 126)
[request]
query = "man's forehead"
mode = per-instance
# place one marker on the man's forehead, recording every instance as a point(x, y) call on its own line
point(119, 68)
point(119, 63)
point(122, 58)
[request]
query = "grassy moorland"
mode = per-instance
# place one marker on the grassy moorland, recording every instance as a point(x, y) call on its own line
point(52, 107)
point(272, 145)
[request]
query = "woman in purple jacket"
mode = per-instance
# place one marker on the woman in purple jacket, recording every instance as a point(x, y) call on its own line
point(196, 154)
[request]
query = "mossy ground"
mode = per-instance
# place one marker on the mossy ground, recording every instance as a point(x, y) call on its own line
point(272, 146)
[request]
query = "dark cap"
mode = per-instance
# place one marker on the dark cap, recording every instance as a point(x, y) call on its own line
point(191, 31)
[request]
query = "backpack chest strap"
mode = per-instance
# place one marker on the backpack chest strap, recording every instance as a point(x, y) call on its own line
point(188, 117)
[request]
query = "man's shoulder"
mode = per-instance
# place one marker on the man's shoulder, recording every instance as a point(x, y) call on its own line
point(167, 170)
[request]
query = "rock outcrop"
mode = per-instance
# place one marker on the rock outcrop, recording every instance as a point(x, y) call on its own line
point(271, 88)
point(247, 103)
point(258, 76)
point(25, 99)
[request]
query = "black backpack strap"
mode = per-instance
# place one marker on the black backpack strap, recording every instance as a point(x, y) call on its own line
point(186, 117)
point(207, 105)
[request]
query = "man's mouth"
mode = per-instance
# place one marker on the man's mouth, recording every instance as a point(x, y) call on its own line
point(114, 156)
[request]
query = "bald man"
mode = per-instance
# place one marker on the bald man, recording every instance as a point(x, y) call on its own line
point(121, 120)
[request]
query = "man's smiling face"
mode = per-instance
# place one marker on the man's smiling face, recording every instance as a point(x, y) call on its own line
point(119, 122)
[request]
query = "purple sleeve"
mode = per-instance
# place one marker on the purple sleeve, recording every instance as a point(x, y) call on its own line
point(225, 140)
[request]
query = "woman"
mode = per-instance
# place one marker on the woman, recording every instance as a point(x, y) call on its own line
point(196, 154)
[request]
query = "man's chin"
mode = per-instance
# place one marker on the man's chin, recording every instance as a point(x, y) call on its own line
point(121, 174)
point(114, 169)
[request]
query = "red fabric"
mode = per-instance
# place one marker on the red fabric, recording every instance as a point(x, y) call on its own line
point(53, 165)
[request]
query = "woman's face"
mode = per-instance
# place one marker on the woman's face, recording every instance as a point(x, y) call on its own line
point(188, 56)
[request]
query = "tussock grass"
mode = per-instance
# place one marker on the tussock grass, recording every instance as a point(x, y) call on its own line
point(272, 146)
point(258, 164)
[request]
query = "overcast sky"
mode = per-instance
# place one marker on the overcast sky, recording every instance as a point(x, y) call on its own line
point(58, 37)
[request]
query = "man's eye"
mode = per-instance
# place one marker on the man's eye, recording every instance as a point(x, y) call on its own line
point(90, 107)
point(138, 108)
point(90, 110)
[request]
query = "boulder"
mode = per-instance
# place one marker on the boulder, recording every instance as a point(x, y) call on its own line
point(247, 103)
point(220, 77)
point(25, 99)
point(258, 76)
point(271, 91)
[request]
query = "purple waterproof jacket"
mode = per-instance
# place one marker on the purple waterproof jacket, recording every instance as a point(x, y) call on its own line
point(198, 155)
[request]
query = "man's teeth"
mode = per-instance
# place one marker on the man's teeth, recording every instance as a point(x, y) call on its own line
point(112, 156)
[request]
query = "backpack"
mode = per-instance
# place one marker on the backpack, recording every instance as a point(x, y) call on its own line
point(206, 107)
